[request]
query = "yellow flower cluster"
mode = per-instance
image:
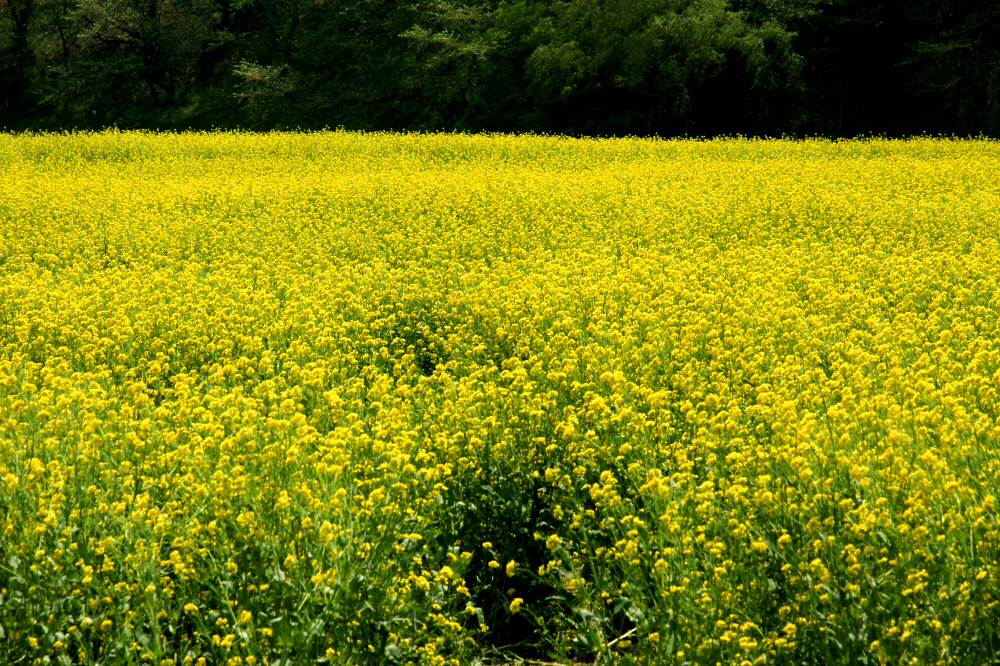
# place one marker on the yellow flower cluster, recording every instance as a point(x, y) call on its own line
point(301, 395)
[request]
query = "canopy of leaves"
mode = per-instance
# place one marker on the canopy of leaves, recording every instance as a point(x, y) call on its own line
point(667, 67)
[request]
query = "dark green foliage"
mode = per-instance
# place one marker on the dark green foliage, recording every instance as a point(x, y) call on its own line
point(597, 67)
point(954, 66)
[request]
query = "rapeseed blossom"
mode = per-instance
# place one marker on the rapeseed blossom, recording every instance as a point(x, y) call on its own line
point(302, 395)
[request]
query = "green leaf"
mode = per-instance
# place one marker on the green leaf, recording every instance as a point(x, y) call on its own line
point(394, 654)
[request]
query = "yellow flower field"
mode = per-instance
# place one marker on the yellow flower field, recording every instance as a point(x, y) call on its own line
point(379, 398)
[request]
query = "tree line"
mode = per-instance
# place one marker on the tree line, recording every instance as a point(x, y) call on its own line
point(592, 67)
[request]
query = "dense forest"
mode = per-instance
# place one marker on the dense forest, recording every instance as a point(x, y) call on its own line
point(595, 67)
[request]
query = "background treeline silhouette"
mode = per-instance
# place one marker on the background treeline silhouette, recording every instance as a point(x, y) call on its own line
point(606, 67)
